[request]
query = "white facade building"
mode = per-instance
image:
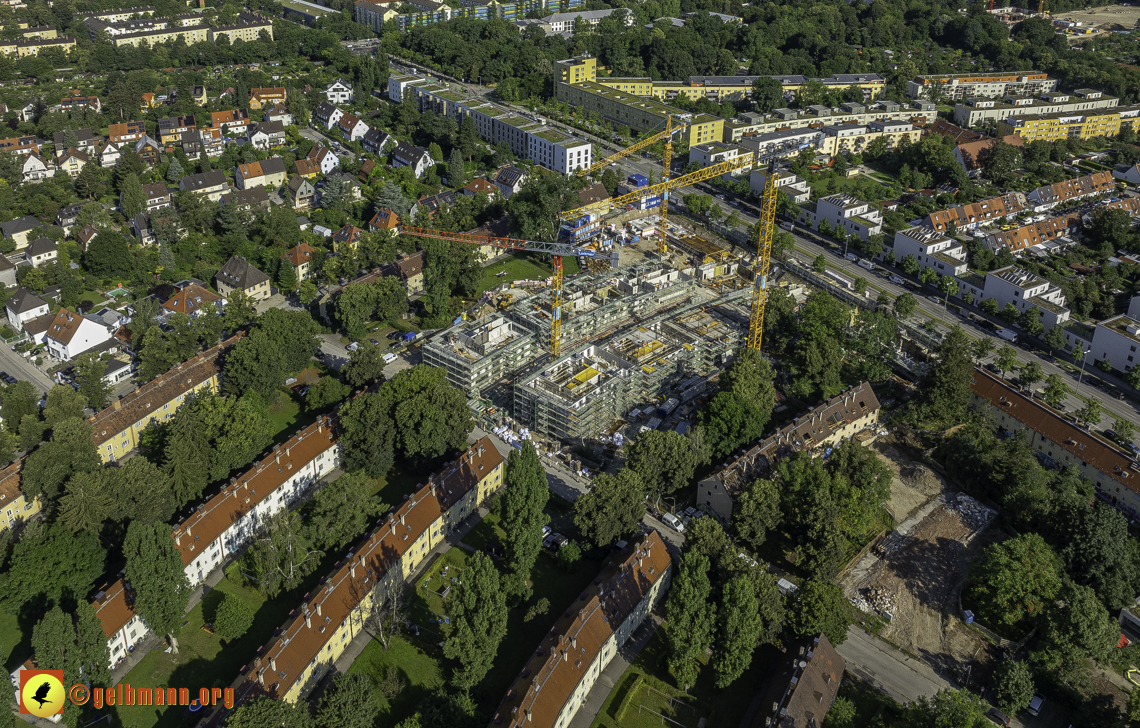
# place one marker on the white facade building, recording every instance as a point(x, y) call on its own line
point(844, 211)
point(339, 92)
point(932, 249)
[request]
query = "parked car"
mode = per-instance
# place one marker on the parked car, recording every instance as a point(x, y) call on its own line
point(896, 280)
point(1035, 704)
point(673, 522)
point(8, 378)
point(851, 257)
point(998, 717)
point(555, 541)
point(936, 299)
point(374, 342)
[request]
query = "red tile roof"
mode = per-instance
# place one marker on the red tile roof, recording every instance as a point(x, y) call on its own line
point(190, 299)
point(115, 607)
point(300, 254)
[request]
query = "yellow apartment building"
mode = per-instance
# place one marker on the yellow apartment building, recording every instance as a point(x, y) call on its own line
point(24, 47)
point(1054, 127)
point(637, 112)
point(117, 428)
point(14, 507)
point(322, 627)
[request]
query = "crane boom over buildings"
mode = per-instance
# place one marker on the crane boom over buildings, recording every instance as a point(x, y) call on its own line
point(766, 229)
point(635, 147)
point(557, 250)
point(604, 206)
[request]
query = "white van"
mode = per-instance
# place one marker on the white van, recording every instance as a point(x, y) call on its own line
point(389, 358)
point(866, 264)
point(673, 522)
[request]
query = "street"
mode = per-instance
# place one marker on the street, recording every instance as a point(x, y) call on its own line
point(21, 368)
point(310, 133)
point(885, 667)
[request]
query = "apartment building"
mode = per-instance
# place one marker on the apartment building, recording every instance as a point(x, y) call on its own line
point(118, 427)
point(225, 523)
point(968, 217)
point(793, 185)
point(266, 173)
point(239, 275)
point(982, 85)
point(978, 110)
point(25, 47)
point(1057, 126)
point(409, 155)
point(711, 153)
point(14, 505)
point(1021, 289)
point(332, 615)
point(565, 22)
point(728, 88)
point(560, 152)
point(639, 113)
point(373, 15)
point(212, 184)
point(1036, 233)
point(339, 92)
point(115, 607)
point(248, 28)
point(932, 249)
point(855, 138)
point(852, 414)
point(752, 124)
point(843, 211)
point(129, 131)
point(1113, 472)
point(1071, 190)
point(556, 681)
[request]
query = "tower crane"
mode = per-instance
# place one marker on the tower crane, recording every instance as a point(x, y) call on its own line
point(635, 147)
point(666, 162)
point(557, 250)
point(766, 229)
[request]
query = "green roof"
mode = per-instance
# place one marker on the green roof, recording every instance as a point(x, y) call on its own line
point(552, 136)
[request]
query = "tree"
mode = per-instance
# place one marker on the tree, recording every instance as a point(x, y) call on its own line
point(664, 461)
point(522, 506)
point(89, 184)
point(947, 390)
point(1030, 374)
point(132, 200)
point(910, 265)
point(767, 94)
point(307, 293)
point(1001, 163)
point(757, 512)
point(367, 435)
point(989, 306)
point(88, 503)
point(927, 276)
point(860, 285)
point(1099, 553)
point(1056, 391)
point(233, 617)
point(174, 173)
point(691, 617)
point(1079, 618)
point(739, 625)
point(325, 393)
point(947, 709)
point(456, 173)
point(982, 348)
point(1016, 579)
point(240, 311)
point(287, 277)
point(342, 510)
point(89, 371)
point(1013, 686)
point(63, 403)
point(47, 562)
point(154, 569)
point(365, 365)
point(819, 265)
point(75, 645)
point(819, 607)
point(1010, 314)
point(187, 455)
point(70, 451)
point(949, 287)
point(1055, 338)
point(479, 622)
point(20, 399)
point(351, 702)
point(264, 712)
point(1124, 429)
point(612, 507)
point(905, 305)
point(1091, 413)
point(279, 555)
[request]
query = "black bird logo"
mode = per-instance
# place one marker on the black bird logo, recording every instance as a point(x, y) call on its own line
point(42, 693)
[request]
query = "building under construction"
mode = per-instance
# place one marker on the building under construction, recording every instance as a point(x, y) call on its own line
point(477, 354)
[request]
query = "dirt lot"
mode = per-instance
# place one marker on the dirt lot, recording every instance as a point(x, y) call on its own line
point(1108, 15)
point(915, 573)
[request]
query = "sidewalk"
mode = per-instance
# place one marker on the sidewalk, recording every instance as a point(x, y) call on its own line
point(613, 672)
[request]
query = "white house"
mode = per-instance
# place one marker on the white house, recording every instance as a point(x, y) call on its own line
point(114, 605)
point(711, 153)
point(375, 140)
point(407, 155)
point(226, 522)
point(932, 249)
point(339, 92)
point(351, 127)
point(793, 185)
point(844, 211)
point(1026, 291)
point(327, 114)
point(71, 334)
point(324, 158)
point(36, 168)
point(267, 134)
point(42, 251)
point(24, 306)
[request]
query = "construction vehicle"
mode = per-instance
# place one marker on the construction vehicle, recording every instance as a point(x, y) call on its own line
point(557, 250)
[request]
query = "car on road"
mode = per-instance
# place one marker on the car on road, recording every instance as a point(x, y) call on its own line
point(720, 197)
point(673, 522)
point(936, 299)
point(998, 717)
point(555, 541)
point(896, 280)
point(851, 257)
point(8, 378)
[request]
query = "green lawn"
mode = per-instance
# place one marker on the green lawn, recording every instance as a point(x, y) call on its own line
point(419, 669)
point(487, 530)
point(286, 416)
point(522, 267)
point(395, 485)
point(203, 660)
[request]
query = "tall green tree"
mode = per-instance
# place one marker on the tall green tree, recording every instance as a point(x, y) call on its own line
point(946, 391)
point(351, 702)
point(187, 456)
point(612, 507)
point(523, 502)
point(479, 622)
point(69, 451)
point(342, 511)
point(819, 607)
point(691, 617)
point(279, 554)
point(665, 461)
point(757, 512)
point(1013, 686)
point(264, 712)
point(1016, 580)
point(48, 562)
point(154, 569)
point(132, 200)
point(89, 371)
point(739, 625)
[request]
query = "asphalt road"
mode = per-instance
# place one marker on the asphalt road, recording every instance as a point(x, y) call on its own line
point(311, 133)
point(21, 368)
point(900, 676)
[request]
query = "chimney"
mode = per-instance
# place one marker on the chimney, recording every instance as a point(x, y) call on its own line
point(273, 664)
point(116, 404)
point(401, 519)
point(277, 458)
point(308, 620)
point(261, 678)
point(321, 426)
point(319, 610)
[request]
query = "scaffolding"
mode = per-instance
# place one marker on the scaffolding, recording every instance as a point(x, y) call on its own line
point(478, 354)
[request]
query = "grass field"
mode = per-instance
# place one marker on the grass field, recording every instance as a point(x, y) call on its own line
point(395, 485)
point(646, 706)
point(418, 666)
point(522, 267)
point(203, 660)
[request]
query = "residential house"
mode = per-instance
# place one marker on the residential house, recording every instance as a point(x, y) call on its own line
point(85, 236)
point(233, 122)
point(85, 142)
point(7, 272)
point(843, 211)
point(366, 169)
point(968, 217)
point(36, 168)
point(225, 523)
point(14, 505)
point(239, 275)
point(339, 92)
point(212, 184)
point(115, 607)
point(1034, 234)
point(191, 142)
point(408, 155)
point(268, 172)
point(1071, 190)
point(510, 180)
point(794, 186)
point(247, 199)
point(325, 160)
point(146, 225)
point(24, 306)
point(130, 131)
point(482, 185)
point(851, 414)
point(149, 150)
point(81, 103)
point(803, 689)
point(593, 193)
point(72, 162)
point(264, 98)
point(42, 251)
point(158, 196)
point(410, 270)
point(118, 427)
point(306, 168)
point(347, 237)
point(1129, 173)
point(383, 220)
point(19, 230)
point(109, 154)
point(301, 258)
point(19, 145)
point(433, 204)
point(281, 114)
point(301, 193)
point(327, 114)
point(213, 142)
point(1024, 291)
point(317, 633)
point(375, 140)
point(351, 127)
point(170, 128)
point(67, 216)
point(116, 372)
point(71, 334)
point(198, 95)
point(573, 655)
point(931, 249)
point(267, 134)
point(971, 155)
point(194, 300)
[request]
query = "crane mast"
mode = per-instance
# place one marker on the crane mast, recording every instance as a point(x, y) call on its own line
point(666, 162)
point(766, 229)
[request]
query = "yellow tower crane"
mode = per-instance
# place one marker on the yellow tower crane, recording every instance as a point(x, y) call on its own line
point(635, 147)
point(666, 162)
point(766, 229)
